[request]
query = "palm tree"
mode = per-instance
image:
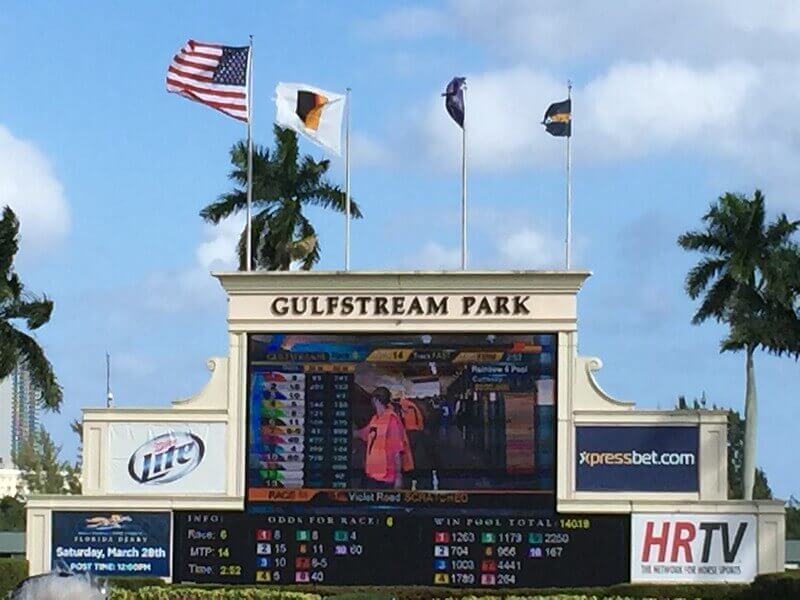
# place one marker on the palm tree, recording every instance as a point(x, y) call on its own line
point(282, 186)
point(750, 278)
point(21, 313)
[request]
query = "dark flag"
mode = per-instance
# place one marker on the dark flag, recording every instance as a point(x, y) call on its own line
point(558, 119)
point(454, 100)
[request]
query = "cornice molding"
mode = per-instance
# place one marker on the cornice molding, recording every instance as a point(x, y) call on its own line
point(270, 282)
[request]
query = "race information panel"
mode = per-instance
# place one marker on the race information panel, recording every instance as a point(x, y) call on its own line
point(369, 549)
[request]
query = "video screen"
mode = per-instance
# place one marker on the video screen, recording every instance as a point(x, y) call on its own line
point(439, 419)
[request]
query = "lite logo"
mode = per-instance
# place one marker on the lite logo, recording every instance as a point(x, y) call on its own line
point(678, 538)
point(166, 458)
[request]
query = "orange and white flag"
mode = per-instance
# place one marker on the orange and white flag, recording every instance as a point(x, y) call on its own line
point(315, 113)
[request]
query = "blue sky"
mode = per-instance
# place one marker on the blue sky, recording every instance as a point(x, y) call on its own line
point(674, 103)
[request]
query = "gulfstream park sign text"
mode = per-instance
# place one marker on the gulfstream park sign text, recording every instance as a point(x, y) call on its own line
point(397, 306)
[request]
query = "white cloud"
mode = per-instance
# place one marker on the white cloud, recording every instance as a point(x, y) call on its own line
point(705, 78)
point(642, 108)
point(504, 132)
point(519, 240)
point(778, 16)
point(132, 364)
point(528, 248)
point(497, 240)
point(435, 256)
point(631, 110)
point(406, 22)
point(368, 151)
point(29, 186)
point(219, 249)
point(586, 31)
point(194, 287)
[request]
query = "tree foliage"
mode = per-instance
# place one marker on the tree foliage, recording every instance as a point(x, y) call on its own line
point(284, 184)
point(43, 471)
point(74, 471)
point(761, 490)
point(793, 519)
point(749, 279)
point(21, 313)
point(12, 514)
point(750, 275)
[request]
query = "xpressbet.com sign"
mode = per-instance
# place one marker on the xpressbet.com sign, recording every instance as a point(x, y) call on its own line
point(652, 457)
point(641, 458)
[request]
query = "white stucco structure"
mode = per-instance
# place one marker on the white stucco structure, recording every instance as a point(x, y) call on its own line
point(11, 482)
point(553, 309)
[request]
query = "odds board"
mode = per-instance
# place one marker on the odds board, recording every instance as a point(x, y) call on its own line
point(521, 551)
point(412, 459)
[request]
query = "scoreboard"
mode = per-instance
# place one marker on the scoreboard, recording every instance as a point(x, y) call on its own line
point(471, 419)
point(455, 551)
point(408, 459)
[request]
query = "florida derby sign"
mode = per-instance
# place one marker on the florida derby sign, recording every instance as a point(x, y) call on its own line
point(152, 458)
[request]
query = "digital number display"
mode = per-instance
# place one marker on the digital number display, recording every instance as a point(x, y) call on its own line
point(402, 420)
point(242, 548)
point(367, 549)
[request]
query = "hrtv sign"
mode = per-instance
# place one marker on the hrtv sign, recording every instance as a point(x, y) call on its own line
point(693, 548)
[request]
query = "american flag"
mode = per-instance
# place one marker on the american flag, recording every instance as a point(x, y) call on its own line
point(213, 75)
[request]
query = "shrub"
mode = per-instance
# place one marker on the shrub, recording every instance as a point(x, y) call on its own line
point(194, 593)
point(776, 586)
point(619, 592)
point(622, 591)
point(716, 591)
point(134, 583)
point(783, 586)
point(12, 571)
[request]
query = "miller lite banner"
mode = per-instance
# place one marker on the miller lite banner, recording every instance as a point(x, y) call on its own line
point(167, 458)
point(689, 548)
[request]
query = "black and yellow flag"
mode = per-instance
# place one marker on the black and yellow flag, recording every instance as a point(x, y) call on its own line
point(558, 119)
point(309, 108)
point(316, 113)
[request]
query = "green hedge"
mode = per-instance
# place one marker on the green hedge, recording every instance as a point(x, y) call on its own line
point(626, 591)
point(134, 583)
point(622, 592)
point(12, 571)
point(194, 593)
point(783, 586)
point(245, 593)
point(778, 586)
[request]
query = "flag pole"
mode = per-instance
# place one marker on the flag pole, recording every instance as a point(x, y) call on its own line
point(250, 156)
point(347, 188)
point(464, 182)
point(569, 184)
point(109, 395)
